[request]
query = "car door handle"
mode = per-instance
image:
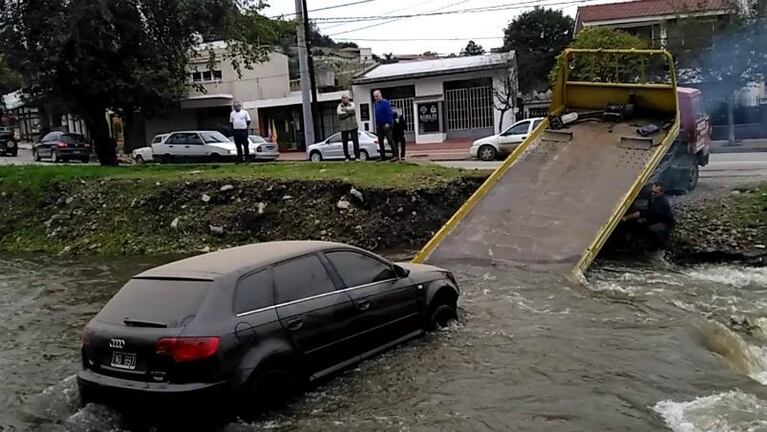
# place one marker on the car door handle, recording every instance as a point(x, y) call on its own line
point(170, 146)
point(187, 147)
point(363, 305)
point(295, 324)
point(524, 137)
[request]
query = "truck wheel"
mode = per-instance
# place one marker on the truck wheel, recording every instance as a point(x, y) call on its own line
point(692, 180)
point(487, 153)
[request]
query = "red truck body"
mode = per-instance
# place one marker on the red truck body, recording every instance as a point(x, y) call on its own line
point(695, 123)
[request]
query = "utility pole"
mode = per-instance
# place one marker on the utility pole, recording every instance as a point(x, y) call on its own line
point(303, 63)
point(318, 126)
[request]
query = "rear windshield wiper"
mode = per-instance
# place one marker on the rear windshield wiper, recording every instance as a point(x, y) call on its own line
point(142, 323)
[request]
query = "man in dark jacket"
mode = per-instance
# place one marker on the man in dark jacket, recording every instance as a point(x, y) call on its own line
point(384, 122)
point(399, 131)
point(656, 221)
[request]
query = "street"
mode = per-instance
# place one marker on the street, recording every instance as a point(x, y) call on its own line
point(722, 165)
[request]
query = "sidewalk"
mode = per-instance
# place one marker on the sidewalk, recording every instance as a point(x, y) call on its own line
point(742, 146)
point(446, 151)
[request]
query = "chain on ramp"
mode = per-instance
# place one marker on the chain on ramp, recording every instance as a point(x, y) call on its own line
point(553, 203)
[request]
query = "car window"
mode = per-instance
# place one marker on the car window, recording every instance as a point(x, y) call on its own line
point(172, 302)
point(52, 136)
point(184, 138)
point(357, 269)
point(518, 129)
point(536, 123)
point(174, 139)
point(214, 137)
point(254, 292)
point(301, 278)
point(72, 138)
point(255, 139)
point(336, 138)
point(157, 139)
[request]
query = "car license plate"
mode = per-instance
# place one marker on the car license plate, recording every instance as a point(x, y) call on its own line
point(270, 148)
point(122, 360)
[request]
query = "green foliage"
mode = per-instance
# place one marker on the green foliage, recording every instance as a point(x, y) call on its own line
point(537, 37)
point(10, 80)
point(472, 49)
point(89, 56)
point(602, 67)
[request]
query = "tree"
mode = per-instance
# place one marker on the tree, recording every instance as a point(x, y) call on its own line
point(505, 96)
point(602, 67)
point(472, 49)
point(537, 37)
point(10, 80)
point(126, 56)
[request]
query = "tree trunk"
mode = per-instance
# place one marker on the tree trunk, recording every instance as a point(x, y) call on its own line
point(105, 145)
point(500, 121)
point(731, 120)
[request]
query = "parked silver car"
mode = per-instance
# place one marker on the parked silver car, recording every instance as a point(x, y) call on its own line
point(264, 150)
point(332, 148)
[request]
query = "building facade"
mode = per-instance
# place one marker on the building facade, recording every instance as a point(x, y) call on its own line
point(442, 99)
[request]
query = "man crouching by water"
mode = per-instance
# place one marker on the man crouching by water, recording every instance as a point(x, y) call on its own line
point(655, 222)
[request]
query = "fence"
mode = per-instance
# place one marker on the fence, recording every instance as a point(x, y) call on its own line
point(469, 108)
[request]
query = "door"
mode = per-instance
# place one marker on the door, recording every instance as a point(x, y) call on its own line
point(388, 307)
point(214, 143)
point(193, 147)
point(514, 135)
point(45, 149)
point(319, 319)
point(334, 148)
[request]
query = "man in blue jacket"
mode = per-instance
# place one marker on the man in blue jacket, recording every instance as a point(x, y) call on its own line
point(384, 121)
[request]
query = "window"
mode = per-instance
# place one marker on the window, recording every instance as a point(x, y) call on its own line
point(53, 136)
point(172, 302)
point(206, 76)
point(357, 269)
point(157, 139)
point(217, 75)
point(536, 123)
point(253, 292)
point(184, 138)
point(213, 137)
point(336, 138)
point(301, 278)
point(196, 76)
point(73, 138)
point(518, 129)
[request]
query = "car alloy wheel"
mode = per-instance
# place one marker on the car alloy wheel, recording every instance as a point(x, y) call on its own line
point(442, 316)
point(316, 156)
point(487, 153)
point(54, 156)
point(364, 156)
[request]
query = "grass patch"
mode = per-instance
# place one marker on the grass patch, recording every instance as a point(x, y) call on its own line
point(365, 175)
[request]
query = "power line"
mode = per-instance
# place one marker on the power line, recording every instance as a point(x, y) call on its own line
point(420, 39)
point(386, 13)
point(394, 19)
point(326, 8)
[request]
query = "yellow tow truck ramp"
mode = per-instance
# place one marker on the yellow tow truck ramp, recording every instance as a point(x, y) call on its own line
point(556, 199)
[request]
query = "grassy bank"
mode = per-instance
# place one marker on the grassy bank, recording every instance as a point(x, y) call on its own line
point(183, 209)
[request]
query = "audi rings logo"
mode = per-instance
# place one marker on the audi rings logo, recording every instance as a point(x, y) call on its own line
point(117, 343)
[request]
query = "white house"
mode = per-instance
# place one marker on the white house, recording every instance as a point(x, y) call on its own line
point(441, 99)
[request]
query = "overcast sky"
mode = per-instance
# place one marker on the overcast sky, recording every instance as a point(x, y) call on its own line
point(462, 27)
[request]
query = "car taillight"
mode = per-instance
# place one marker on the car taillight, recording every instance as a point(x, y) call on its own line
point(61, 145)
point(375, 141)
point(188, 349)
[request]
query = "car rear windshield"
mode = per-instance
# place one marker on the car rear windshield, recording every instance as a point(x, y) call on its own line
point(168, 303)
point(72, 138)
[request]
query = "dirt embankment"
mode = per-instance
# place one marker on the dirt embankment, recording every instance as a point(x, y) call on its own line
point(135, 217)
point(132, 217)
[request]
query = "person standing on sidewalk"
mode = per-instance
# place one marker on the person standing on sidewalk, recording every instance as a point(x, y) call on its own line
point(399, 131)
point(384, 122)
point(240, 120)
point(347, 119)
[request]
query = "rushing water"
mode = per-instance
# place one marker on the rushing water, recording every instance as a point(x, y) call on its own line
point(636, 348)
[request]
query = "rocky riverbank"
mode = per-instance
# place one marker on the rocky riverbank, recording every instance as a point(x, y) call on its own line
point(154, 212)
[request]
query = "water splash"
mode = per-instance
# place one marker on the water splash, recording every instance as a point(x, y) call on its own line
point(738, 277)
point(749, 359)
point(732, 411)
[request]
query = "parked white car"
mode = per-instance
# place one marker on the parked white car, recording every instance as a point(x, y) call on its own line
point(332, 148)
point(144, 154)
point(190, 146)
point(264, 150)
point(490, 148)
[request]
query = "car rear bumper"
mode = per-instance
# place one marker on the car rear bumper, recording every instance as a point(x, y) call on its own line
point(74, 153)
point(115, 391)
point(266, 155)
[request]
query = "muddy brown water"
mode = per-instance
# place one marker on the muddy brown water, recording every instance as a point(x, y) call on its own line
point(637, 348)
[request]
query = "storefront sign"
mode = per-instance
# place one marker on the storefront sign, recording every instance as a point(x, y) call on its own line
point(428, 117)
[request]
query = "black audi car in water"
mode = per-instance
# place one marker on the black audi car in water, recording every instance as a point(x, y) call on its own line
point(249, 326)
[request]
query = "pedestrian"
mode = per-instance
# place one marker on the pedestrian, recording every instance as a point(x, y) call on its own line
point(654, 223)
point(384, 122)
point(347, 119)
point(399, 131)
point(240, 120)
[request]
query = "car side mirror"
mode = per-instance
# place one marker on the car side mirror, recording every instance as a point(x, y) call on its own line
point(401, 272)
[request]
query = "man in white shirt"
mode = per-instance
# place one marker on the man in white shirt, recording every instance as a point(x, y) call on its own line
point(240, 120)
